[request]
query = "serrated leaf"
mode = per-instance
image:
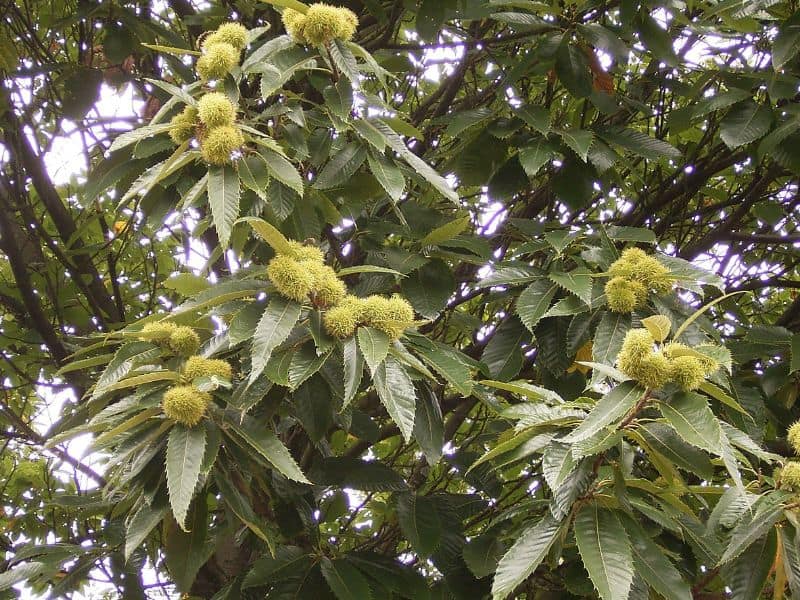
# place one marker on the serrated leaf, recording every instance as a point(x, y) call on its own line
point(420, 523)
point(140, 525)
point(125, 359)
point(282, 170)
point(346, 582)
point(223, 197)
point(429, 425)
point(185, 449)
point(608, 337)
point(374, 346)
point(651, 563)
point(579, 141)
point(528, 551)
point(534, 301)
point(353, 370)
point(535, 155)
point(747, 576)
point(605, 550)
point(446, 232)
point(753, 526)
point(396, 391)
point(639, 143)
point(690, 415)
point(187, 551)
point(578, 281)
point(388, 175)
point(277, 322)
point(609, 409)
point(267, 444)
point(572, 68)
point(659, 327)
point(341, 167)
point(746, 122)
point(344, 60)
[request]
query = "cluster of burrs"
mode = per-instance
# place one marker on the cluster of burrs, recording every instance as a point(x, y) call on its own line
point(633, 276)
point(320, 24)
point(213, 121)
point(301, 274)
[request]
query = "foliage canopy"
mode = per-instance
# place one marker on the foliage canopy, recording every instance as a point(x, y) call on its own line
point(394, 299)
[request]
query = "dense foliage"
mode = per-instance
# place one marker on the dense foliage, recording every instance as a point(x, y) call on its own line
point(396, 299)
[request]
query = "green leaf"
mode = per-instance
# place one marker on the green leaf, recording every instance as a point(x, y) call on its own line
point(572, 68)
point(579, 141)
point(578, 281)
point(241, 507)
point(429, 288)
point(609, 336)
point(293, 4)
point(534, 301)
point(746, 122)
point(446, 232)
point(665, 440)
point(748, 575)
point(611, 408)
point(658, 326)
point(353, 370)
point(282, 170)
point(753, 526)
point(656, 39)
point(374, 346)
point(639, 143)
point(429, 425)
point(24, 572)
point(794, 366)
point(419, 522)
point(482, 554)
point(140, 525)
point(344, 60)
point(185, 449)
point(396, 391)
point(223, 197)
point(268, 445)
point(388, 175)
point(536, 116)
point(503, 354)
point(126, 358)
point(656, 569)
point(277, 322)
point(187, 284)
point(187, 551)
point(369, 476)
point(447, 361)
point(529, 550)
point(396, 143)
point(269, 234)
point(535, 155)
point(368, 269)
point(690, 415)
point(221, 293)
point(787, 42)
point(341, 167)
point(605, 39)
point(605, 550)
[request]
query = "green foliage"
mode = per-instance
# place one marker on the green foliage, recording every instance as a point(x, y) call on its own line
point(402, 300)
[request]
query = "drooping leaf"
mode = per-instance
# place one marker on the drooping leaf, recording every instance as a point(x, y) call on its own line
point(185, 450)
point(396, 391)
point(605, 549)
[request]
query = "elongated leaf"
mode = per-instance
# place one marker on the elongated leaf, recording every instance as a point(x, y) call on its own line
point(223, 197)
point(611, 407)
point(429, 425)
point(748, 575)
point(419, 522)
point(269, 234)
point(267, 444)
point(578, 281)
point(277, 322)
point(650, 562)
point(388, 175)
point(396, 391)
point(534, 301)
point(528, 551)
point(185, 450)
point(187, 551)
point(605, 550)
point(754, 525)
point(609, 336)
point(126, 358)
point(640, 143)
point(746, 122)
point(282, 170)
point(374, 346)
point(140, 525)
point(345, 580)
point(353, 370)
